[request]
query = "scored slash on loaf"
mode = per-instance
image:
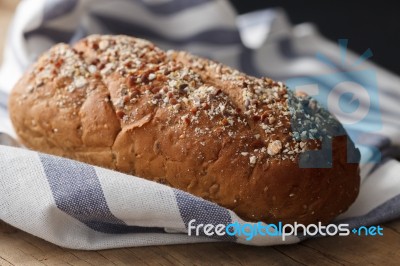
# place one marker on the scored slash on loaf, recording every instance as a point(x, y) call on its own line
point(188, 122)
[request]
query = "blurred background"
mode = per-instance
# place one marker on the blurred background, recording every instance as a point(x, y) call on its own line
point(7, 8)
point(365, 25)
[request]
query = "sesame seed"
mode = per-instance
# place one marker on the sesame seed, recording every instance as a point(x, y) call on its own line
point(103, 44)
point(92, 69)
point(79, 82)
point(274, 147)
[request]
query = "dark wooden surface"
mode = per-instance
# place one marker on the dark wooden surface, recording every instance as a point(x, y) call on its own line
point(20, 248)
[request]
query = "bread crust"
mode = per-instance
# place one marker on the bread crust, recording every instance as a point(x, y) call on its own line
point(191, 123)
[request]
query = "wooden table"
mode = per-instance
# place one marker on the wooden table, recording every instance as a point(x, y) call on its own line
point(20, 248)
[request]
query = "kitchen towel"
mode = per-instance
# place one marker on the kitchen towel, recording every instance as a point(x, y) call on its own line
point(81, 206)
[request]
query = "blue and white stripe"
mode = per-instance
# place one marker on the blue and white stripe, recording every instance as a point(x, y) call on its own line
point(81, 206)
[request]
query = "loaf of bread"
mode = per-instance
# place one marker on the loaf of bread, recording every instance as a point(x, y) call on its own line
point(191, 123)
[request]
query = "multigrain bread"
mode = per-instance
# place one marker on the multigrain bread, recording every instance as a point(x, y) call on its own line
point(191, 123)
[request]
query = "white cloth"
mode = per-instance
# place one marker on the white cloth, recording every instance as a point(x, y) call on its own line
point(85, 207)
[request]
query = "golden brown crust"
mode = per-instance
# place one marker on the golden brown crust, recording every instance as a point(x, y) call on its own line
point(199, 126)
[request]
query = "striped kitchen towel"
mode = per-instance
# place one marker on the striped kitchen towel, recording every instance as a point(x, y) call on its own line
point(80, 206)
